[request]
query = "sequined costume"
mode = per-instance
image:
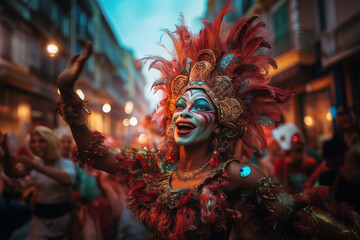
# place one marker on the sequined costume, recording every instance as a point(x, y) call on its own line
point(209, 211)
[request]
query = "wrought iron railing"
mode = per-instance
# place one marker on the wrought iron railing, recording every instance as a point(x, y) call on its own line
point(344, 37)
point(302, 39)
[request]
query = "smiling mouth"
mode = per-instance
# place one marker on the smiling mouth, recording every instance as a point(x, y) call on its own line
point(184, 128)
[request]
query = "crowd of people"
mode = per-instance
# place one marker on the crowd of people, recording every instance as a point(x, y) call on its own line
point(198, 183)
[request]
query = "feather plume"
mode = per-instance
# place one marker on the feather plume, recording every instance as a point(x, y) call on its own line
point(249, 72)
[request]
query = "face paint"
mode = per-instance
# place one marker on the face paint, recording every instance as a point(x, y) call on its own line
point(194, 117)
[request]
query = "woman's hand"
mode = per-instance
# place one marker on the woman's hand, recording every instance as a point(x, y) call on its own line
point(71, 73)
point(27, 162)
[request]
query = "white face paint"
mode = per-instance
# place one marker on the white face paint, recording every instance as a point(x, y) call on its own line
point(194, 118)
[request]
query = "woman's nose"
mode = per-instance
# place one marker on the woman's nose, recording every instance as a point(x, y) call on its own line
point(186, 113)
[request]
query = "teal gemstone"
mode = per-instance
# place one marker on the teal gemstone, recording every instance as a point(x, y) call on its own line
point(245, 171)
point(200, 82)
point(192, 82)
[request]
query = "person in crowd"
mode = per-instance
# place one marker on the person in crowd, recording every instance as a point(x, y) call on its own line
point(14, 212)
point(53, 177)
point(267, 162)
point(99, 207)
point(345, 136)
point(215, 104)
point(343, 176)
point(294, 168)
point(347, 131)
point(66, 141)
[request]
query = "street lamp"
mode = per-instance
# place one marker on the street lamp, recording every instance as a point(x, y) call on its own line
point(52, 49)
point(106, 108)
point(308, 121)
point(142, 138)
point(126, 122)
point(129, 106)
point(133, 121)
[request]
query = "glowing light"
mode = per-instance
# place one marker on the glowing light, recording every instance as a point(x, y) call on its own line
point(142, 138)
point(24, 112)
point(129, 107)
point(106, 108)
point(52, 49)
point(308, 121)
point(58, 91)
point(126, 122)
point(328, 116)
point(133, 121)
point(333, 111)
point(295, 138)
point(82, 95)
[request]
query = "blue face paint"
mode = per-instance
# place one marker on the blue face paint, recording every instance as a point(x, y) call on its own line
point(245, 171)
point(180, 105)
point(201, 105)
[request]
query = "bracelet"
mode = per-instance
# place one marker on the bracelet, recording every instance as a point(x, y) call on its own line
point(94, 151)
point(73, 110)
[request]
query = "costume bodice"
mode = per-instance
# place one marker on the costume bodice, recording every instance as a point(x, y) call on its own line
point(201, 211)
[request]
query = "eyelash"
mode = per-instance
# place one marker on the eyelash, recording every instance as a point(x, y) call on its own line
point(204, 108)
point(180, 106)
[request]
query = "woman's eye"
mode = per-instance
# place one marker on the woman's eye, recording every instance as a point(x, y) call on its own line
point(180, 106)
point(202, 108)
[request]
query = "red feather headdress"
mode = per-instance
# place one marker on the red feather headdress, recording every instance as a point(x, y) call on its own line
point(228, 70)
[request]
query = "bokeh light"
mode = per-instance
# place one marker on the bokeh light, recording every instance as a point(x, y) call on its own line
point(106, 108)
point(133, 121)
point(81, 94)
point(129, 107)
point(52, 49)
point(308, 121)
point(126, 122)
point(142, 138)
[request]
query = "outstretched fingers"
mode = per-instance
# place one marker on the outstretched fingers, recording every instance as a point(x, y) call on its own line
point(87, 50)
point(72, 60)
point(81, 58)
point(84, 56)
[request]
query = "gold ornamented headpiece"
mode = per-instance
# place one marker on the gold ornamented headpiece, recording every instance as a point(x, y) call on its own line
point(217, 85)
point(231, 74)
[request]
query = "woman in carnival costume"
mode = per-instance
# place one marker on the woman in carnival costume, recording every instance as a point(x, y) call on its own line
point(214, 107)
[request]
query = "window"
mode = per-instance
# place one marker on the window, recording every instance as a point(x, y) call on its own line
point(83, 24)
point(282, 30)
point(247, 4)
point(6, 33)
point(34, 53)
point(65, 25)
point(322, 16)
point(19, 48)
point(45, 8)
point(316, 117)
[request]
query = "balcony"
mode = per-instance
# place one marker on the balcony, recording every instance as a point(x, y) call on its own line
point(340, 42)
point(291, 51)
point(302, 40)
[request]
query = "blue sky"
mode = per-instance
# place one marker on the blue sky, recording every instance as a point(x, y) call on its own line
point(137, 24)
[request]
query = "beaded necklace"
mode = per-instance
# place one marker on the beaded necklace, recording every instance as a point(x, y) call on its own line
point(184, 176)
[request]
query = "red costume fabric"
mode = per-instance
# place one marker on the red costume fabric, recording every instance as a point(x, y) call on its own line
point(293, 177)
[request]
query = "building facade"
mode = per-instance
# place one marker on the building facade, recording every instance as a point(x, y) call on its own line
point(316, 44)
point(28, 73)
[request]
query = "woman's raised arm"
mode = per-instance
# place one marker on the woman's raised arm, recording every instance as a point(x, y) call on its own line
point(74, 111)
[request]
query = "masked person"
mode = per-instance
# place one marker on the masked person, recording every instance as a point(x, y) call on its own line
point(214, 107)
